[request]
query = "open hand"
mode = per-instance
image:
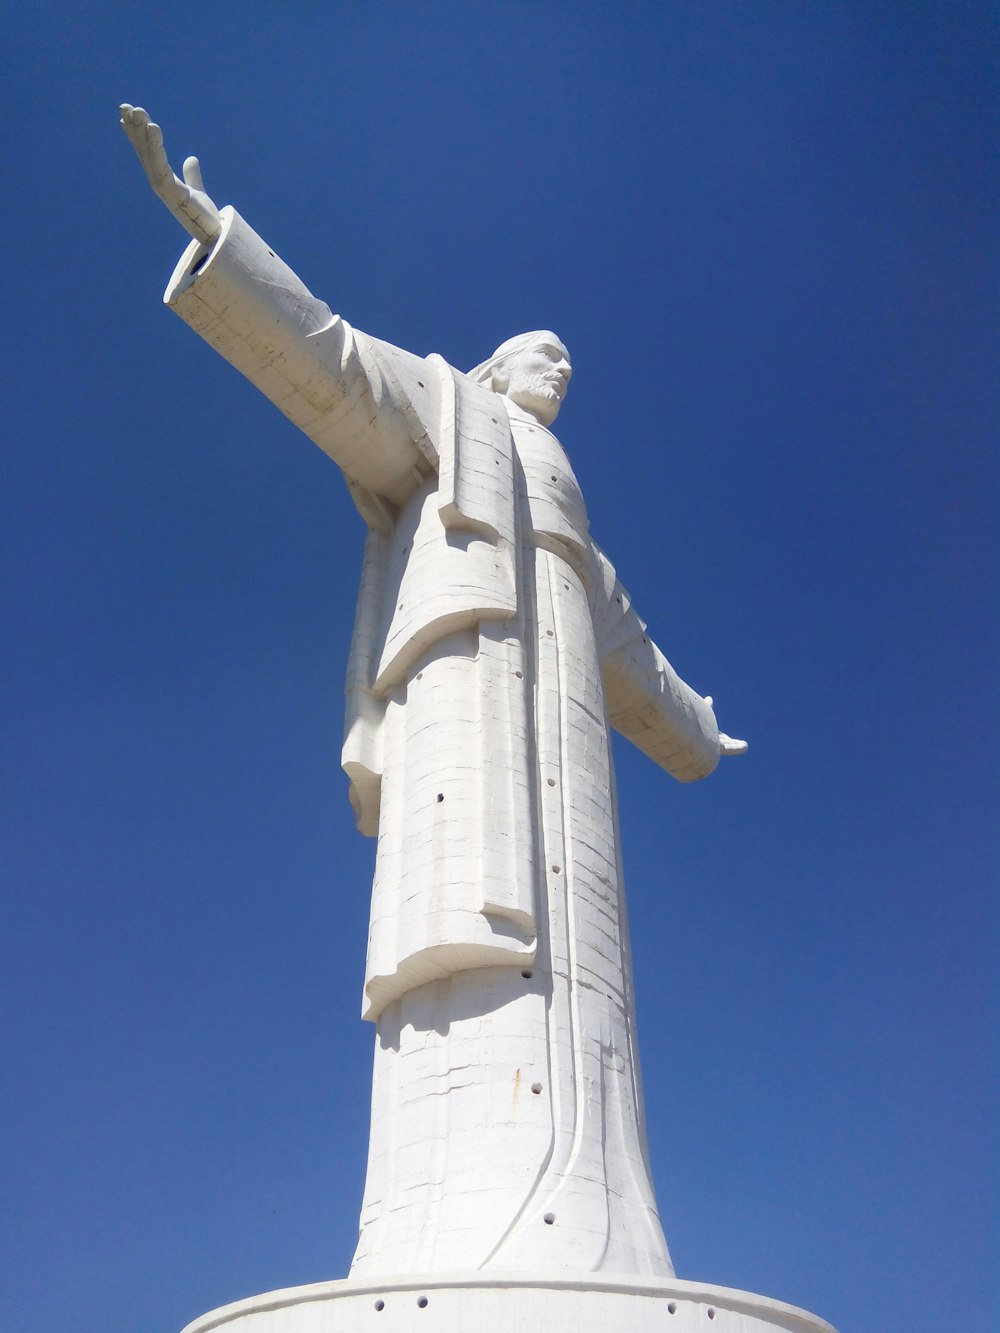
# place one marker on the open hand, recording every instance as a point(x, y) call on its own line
point(186, 198)
point(728, 745)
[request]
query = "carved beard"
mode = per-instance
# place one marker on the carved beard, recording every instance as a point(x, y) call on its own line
point(536, 394)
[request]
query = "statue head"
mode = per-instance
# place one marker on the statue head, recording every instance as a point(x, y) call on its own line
point(533, 370)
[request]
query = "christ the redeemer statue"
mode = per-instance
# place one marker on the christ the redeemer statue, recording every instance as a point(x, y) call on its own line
point(494, 650)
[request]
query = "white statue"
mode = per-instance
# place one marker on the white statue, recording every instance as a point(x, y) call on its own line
point(493, 650)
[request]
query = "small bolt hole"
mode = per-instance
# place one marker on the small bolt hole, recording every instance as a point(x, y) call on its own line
point(527, 974)
point(422, 1302)
point(536, 1088)
point(710, 1312)
point(380, 1305)
point(671, 1308)
point(556, 870)
point(551, 781)
point(549, 1218)
point(519, 675)
point(440, 796)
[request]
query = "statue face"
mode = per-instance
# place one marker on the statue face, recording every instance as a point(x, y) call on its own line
point(538, 377)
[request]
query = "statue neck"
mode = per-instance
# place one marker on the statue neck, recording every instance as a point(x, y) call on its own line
point(520, 413)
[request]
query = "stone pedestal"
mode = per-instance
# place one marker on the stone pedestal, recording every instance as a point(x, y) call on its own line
point(509, 1302)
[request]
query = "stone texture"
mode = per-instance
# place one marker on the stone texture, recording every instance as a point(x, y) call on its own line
point(546, 1303)
point(494, 648)
point(493, 641)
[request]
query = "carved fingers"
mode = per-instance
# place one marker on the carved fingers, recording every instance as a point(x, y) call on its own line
point(147, 139)
point(192, 174)
point(729, 745)
point(186, 198)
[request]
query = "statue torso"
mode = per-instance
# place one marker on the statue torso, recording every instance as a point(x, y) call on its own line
point(551, 498)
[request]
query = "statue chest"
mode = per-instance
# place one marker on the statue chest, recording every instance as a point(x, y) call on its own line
point(550, 498)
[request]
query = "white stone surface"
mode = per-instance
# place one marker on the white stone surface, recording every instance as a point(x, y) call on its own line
point(493, 641)
point(546, 1302)
point(494, 648)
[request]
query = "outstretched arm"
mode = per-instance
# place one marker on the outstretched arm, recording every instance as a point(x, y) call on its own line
point(646, 700)
point(353, 397)
point(186, 198)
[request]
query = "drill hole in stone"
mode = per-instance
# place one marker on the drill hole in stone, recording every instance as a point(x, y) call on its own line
point(671, 1308)
point(549, 1218)
point(519, 675)
point(536, 1088)
point(440, 796)
point(422, 1303)
point(710, 1312)
point(556, 870)
point(380, 1305)
point(551, 781)
point(527, 974)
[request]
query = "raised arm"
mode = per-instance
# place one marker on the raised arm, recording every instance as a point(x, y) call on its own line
point(368, 405)
point(186, 198)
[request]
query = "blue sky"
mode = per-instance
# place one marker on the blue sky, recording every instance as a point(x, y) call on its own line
point(763, 232)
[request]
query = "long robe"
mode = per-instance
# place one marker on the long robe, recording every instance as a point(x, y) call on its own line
point(493, 649)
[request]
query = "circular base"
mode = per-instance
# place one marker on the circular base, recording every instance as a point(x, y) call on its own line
point(495, 1303)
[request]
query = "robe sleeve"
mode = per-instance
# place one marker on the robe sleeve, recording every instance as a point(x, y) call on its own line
point(363, 402)
point(647, 702)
